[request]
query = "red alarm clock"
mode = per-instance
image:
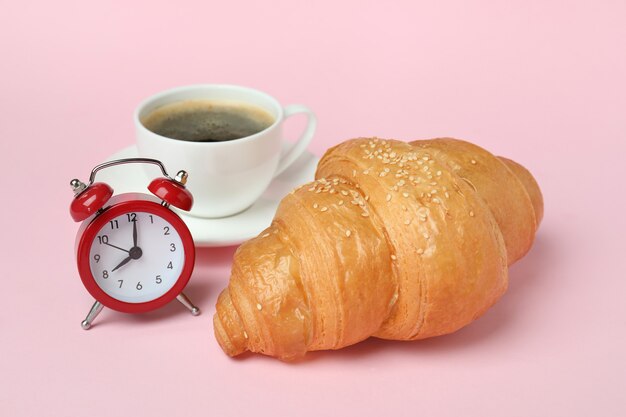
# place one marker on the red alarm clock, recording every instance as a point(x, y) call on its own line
point(134, 254)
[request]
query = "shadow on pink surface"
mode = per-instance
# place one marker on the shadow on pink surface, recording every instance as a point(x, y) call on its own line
point(216, 256)
point(212, 273)
point(524, 278)
point(210, 276)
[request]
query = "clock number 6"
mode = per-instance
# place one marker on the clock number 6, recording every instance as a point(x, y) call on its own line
point(139, 286)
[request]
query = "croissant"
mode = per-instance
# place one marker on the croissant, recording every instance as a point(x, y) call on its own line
point(394, 240)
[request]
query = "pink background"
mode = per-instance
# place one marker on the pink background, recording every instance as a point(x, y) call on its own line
point(542, 82)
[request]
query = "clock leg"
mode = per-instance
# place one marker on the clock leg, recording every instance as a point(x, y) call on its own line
point(187, 303)
point(96, 308)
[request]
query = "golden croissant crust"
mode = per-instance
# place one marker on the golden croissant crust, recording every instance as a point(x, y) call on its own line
point(394, 240)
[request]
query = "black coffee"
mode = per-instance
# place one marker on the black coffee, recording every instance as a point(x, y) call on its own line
point(207, 120)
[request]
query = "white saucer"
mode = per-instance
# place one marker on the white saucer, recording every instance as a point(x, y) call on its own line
point(227, 230)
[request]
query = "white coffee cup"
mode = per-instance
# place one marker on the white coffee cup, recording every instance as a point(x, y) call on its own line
point(226, 177)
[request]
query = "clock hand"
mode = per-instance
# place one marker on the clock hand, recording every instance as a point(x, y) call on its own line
point(135, 233)
point(134, 253)
point(116, 247)
point(124, 262)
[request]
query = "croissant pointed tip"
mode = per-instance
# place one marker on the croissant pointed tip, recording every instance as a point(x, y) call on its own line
point(530, 184)
point(222, 338)
point(228, 327)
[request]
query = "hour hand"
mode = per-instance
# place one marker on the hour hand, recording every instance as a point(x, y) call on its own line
point(124, 262)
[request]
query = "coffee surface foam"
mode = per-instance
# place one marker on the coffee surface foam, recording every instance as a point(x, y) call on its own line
point(207, 120)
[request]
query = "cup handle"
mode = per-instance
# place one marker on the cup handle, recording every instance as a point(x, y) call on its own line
point(301, 144)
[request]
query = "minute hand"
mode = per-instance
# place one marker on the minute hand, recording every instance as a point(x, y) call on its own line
point(116, 247)
point(135, 233)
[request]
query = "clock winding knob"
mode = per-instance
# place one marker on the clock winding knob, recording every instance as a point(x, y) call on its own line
point(77, 186)
point(181, 177)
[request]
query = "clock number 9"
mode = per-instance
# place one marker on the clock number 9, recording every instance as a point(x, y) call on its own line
point(96, 257)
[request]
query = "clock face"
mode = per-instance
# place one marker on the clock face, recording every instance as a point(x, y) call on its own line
point(136, 257)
